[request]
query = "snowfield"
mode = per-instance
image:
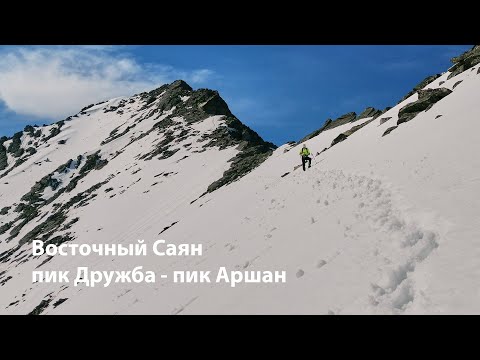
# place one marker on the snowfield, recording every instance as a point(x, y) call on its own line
point(379, 224)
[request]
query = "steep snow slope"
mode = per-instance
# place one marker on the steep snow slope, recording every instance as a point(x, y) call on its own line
point(379, 224)
point(110, 173)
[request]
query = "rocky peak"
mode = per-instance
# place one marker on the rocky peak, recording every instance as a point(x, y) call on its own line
point(179, 84)
point(181, 100)
point(215, 105)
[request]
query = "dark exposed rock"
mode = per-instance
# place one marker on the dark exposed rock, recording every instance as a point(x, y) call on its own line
point(29, 129)
point(389, 130)
point(253, 149)
point(62, 142)
point(456, 84)
point(338, 139)
point(59, 302)
point(68, 226)
point(13, 303)
point(114, 135)
point(54, 221)
point(342, 120)
point(369, 112)
point(330, 124)
point(406, 117)
point(87, 107)
point(170, 95)
point(420, 86)
point(5, 256)
point(29, 212)
point(3, 157)
point(34, 200)
point(167, 227)
point(426, 98)
point(5, 227)
point(161, 147)
point(5, 210)
point(384, 120)
point(4, 281)
point(40, 307)
point(93, 161)
point(14, 148)
point(63, 168)
point(244, 162)
point(195, 106)
point(349, 132)
point(35, 193)
point(465, 61)
point(215, 105)
point(60, 239)
point(54, 131)
point(438, 116)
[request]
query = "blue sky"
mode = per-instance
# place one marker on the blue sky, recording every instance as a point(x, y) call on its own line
point(282, 92)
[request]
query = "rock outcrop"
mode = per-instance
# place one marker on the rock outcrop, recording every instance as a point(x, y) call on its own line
point(349, 132)
point(426, 99)
point(369, 112)
point(389, 130)
point(420, 86)
point(465, 61)
point(330, 124)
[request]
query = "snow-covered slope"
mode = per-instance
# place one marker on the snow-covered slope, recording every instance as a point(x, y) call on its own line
point(381, 223)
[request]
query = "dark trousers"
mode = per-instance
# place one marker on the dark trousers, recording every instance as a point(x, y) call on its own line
point(304, 160)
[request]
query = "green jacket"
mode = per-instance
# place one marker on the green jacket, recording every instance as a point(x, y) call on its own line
point(304, 152)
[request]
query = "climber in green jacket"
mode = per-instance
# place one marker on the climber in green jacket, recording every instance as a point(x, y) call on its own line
point(305, 156)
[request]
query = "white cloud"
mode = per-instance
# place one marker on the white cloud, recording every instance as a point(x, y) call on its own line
point(200, 76)
point(54, 82)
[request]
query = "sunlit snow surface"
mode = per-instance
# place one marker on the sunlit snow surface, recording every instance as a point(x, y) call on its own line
point(378, 225)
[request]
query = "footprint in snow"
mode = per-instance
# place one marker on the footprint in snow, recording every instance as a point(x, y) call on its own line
point(300, 273)
point(321, 263)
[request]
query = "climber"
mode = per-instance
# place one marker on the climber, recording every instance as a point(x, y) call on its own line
point(305, 156)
